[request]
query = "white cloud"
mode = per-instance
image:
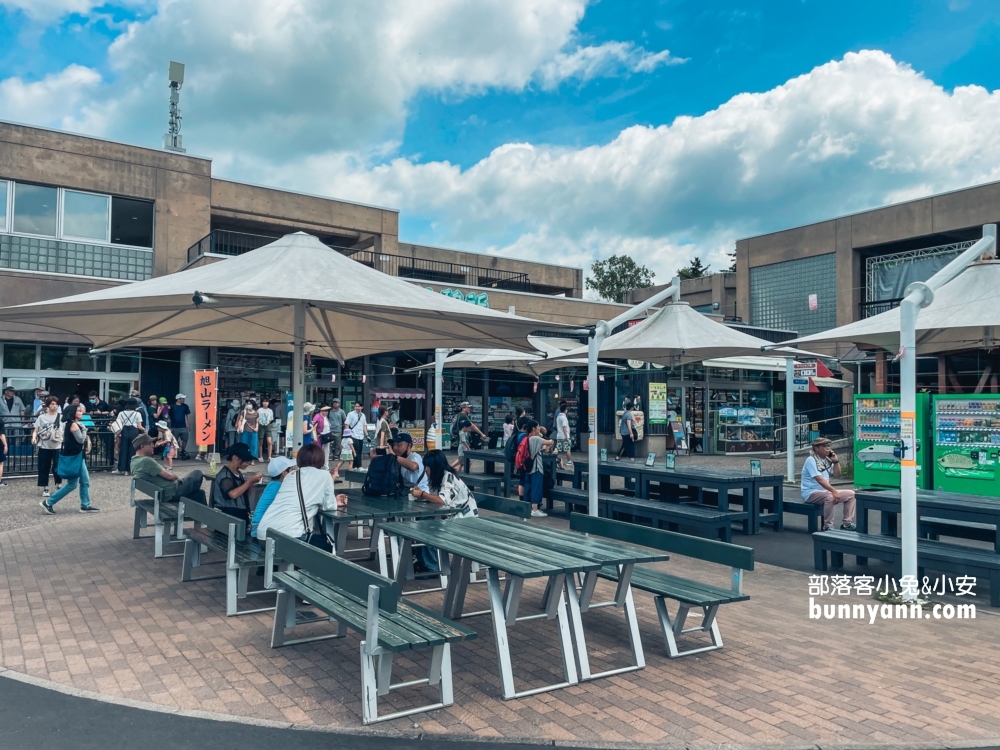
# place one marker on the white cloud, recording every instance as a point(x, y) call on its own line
point(67, 91)
point(849, 135)
point(586, 63)
point(52, 10)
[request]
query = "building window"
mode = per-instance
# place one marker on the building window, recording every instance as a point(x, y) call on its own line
point(125, 361)
point(75, 358)
point(19, 356)
point(131, 222)
point(35, 209)
point(86, 216)
point(3, 205)
point(797, 295)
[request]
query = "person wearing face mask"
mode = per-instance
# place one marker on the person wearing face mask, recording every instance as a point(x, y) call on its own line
point(95, 405)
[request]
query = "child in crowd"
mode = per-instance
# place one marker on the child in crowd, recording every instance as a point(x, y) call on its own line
point(346, 448)
point(277, 469)
point(508, 428)
point(464, 434)
point(166, 436)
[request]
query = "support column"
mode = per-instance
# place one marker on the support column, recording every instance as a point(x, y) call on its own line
point(439, 356)
point(790, 418)
point(942, 362)
point(298, 376)
point(193, 358)
point(880, 370)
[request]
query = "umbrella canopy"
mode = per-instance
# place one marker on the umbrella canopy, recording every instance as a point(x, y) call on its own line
point(965, 314)
point(675, 334)
point(249, 301)
point(534, 364)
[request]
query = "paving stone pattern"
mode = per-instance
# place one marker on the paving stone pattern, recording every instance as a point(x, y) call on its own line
point(84, 605)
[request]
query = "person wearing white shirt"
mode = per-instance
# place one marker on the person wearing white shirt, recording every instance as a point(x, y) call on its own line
point(265, 418)
point(411, 465)
point(816, 488)
point(359, 429)
point(285, 512)
point(564, 443)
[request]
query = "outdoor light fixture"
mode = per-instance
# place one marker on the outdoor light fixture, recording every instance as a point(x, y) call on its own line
point(200, 299)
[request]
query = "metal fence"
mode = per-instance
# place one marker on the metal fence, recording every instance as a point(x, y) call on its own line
point(22, 456)
point(868, 309)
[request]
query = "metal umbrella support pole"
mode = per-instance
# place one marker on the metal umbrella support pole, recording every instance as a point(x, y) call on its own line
point(298, 375)
point(601, 331)
point(919, 295)
point(439, 357)
point(790, 418)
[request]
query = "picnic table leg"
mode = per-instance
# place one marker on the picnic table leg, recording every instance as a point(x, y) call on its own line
point(779, 506)
point(500, 632)
point(576, 623)
point(512, 597)
point(458, 583)
point(402, 558)
point(340, 541)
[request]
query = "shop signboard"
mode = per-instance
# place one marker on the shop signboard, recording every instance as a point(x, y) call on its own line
point(657, 403)
point(205, 408)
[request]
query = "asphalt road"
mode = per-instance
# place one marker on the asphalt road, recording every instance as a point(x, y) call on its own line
point(34, 718)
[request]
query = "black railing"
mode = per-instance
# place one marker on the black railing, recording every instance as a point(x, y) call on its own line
point(22, 456)
point(224, 242)
point(868, 309)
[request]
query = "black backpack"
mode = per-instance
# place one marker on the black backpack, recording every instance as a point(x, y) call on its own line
point(510, 449)
point(383, 478)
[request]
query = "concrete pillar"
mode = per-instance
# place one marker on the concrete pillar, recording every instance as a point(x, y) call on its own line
point(880, 371)
point(942, 363)
point(192, 358)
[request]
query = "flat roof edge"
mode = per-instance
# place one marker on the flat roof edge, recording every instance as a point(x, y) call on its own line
point(306, 195)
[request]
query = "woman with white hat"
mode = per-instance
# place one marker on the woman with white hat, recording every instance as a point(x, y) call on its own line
point(308, 430)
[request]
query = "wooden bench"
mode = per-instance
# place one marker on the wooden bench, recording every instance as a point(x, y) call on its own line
point(354, 476)
point(707, 520)
point(163, 513)
point(363, 601)
point(812, 511)
point(564, 475)
point(575, 500)
point(933, 528)
point(497, 504)
point(226, 534)
point(939, 556)
point(686, 592)
point(482, 482)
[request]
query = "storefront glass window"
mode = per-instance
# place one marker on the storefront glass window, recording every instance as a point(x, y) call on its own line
point(85, 215)
point(19, 356)
point(35, 210)
point(74, 358)
point(125, 361)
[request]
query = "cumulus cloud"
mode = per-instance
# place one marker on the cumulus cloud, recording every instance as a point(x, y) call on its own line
point(68, 92)
point(51, 10)
point(849, 135)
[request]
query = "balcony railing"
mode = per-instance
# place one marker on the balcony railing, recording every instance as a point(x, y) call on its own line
point(223, 242)
point(868, 309)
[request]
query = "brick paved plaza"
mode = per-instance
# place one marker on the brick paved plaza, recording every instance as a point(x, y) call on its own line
point(85, 606)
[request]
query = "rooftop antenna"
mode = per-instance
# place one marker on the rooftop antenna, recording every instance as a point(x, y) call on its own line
point(173, 140)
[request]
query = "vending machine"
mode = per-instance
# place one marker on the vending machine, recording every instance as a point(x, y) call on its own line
point(876, 441)
point(967, 444)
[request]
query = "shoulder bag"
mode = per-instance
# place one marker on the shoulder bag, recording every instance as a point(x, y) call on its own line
point(70, 467)
point(312, 536)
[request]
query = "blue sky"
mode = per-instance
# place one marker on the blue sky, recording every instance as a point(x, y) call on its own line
point(659, 128)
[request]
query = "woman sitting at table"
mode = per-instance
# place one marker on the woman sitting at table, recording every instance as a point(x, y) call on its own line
point(445, 488)
point(301, 497)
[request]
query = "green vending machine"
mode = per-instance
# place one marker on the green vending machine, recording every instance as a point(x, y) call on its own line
point(966, 444)
point(876, 441)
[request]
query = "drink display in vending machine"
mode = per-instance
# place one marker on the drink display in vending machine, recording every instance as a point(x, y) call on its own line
point(877, 441)
point(967, 444)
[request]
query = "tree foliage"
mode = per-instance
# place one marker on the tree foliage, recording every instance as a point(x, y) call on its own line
point(613, 278)
point(694, 270)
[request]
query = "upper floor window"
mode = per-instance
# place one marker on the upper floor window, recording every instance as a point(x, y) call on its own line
point(75, 215)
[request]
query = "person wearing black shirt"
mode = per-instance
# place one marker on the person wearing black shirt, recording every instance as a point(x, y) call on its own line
point(231, 491)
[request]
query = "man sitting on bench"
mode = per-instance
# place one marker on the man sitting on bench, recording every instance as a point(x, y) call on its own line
point(816, 488)
point(145, 467)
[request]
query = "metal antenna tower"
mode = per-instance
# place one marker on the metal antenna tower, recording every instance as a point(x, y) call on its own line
point(173, 140)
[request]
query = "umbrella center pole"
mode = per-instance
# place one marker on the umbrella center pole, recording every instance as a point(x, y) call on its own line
point(298, 376)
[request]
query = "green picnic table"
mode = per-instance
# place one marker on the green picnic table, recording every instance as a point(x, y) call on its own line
point(521, 550)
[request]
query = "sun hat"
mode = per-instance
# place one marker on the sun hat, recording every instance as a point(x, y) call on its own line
point(324, 408)
point(143, 438)
point(279, 464)
point(162, 424)
point(308, 408)
point(820, 442)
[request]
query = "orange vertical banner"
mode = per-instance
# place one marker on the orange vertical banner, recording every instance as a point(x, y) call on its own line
point(205, 406)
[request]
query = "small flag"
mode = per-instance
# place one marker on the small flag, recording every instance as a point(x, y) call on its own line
point(333, 378)
point(600, 378)
point(586, 384)
point(535, 389)
point(572, 383)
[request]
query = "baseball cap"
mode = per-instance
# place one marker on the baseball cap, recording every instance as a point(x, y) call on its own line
point(402, 437)
point(464, 404)
point(279, 464)
point(163, 399)
point(141, 440)
point(240, 450)
point(8, 387)
point(335, 401)
point(179, 395)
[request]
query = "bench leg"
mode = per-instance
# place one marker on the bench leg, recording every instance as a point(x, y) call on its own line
point(232, 584)
point(836, 560)
point(383, 676)
point(369, 687)
point(140, 522)
point(726, 533)
point(814, 524)
point(995, 588)
point(281, 618)
point(440, 672)
point(192, 559)
point(674, 629)
point(242, 582)
point(819, 557)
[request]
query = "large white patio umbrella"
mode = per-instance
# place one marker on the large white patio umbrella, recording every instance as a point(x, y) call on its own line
point(543, 360)
point(957, 308)
point(295, 294)
point(673, 335)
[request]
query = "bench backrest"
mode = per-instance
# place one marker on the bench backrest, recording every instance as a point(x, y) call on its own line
point(215, 519)
point(146, 488)
point(709, 550)
point(516, 508)
point(336, 571)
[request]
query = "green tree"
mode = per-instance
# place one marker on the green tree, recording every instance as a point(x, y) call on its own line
point(694, 270)
point(613, 278)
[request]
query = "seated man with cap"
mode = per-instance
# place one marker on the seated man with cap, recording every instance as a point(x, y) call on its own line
point(411, 469)
point(278, 468)
point(822, 464)
point(145, 467)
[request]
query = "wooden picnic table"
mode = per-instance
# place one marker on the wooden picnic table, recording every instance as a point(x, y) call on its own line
point(377, 510)
point(952, 506)
point(491, 458)
point(521, 551)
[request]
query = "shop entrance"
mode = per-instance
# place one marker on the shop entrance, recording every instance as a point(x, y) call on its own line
point(64, 388)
